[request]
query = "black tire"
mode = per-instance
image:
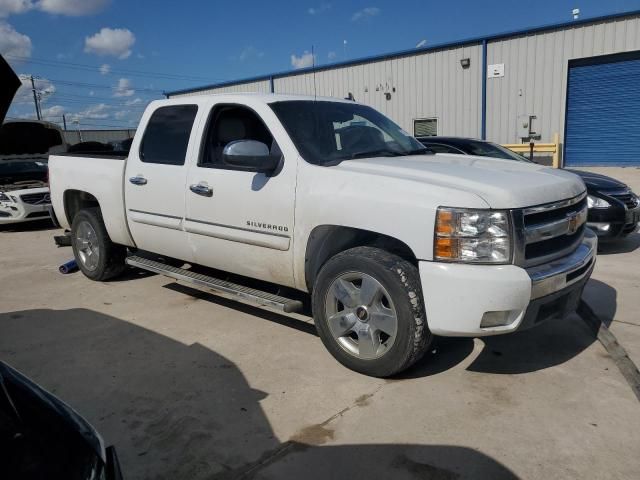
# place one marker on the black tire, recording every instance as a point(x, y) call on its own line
point(111, 257)
point(402, 282)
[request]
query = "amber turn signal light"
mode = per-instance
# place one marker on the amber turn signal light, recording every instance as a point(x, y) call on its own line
point(446, 247)
point(444, 224)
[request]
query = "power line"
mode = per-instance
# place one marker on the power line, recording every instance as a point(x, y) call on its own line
point(122, 71)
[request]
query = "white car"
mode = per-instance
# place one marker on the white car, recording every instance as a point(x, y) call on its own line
point(23, 204)
point(25, 147)
point(331, 199)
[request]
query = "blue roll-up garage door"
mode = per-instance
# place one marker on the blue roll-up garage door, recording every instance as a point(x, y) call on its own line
point(603, 111)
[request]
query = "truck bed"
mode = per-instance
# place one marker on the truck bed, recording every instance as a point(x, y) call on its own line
point(101, 175)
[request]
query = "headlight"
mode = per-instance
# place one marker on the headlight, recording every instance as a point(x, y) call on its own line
point(597, 202)
point(4, 198)
point(472, 236)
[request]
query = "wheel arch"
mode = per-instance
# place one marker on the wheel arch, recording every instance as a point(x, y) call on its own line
point(325, 241)
point(76, 200)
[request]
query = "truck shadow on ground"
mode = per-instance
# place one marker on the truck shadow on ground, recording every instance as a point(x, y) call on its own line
point(625, 245)
point(183, 411)
point(544, 346)
point(603, 299)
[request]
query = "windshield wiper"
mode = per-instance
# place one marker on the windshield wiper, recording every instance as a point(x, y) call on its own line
point(382, 152)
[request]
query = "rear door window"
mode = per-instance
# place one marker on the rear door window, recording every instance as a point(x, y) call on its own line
point(167, 135)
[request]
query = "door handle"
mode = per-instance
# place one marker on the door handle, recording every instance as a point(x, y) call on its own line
point(201, 190)
point(138, 180)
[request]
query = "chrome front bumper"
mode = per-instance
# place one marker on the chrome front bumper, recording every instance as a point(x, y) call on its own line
point(563, 272)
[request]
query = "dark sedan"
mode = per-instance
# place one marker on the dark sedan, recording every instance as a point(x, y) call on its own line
point(614, 210)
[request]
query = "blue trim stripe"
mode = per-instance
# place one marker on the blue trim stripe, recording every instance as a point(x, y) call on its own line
point(413, 51)
point(483, 108)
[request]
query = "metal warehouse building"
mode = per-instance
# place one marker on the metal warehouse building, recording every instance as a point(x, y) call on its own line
point(580, 80)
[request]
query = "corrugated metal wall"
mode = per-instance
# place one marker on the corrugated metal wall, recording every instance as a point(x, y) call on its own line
point(535, 80)
point(426, 85)
point(433, 84)
point(261, 86)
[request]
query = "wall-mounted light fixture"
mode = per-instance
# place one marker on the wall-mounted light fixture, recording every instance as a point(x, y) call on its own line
point(465, 63)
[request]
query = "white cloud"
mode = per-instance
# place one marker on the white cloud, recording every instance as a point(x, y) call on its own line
point(365, 14)
point(421, 43)
point(54, 111)
point(105, 69)
point(331, 55)
point(121, 114)
point(303, 61)
point(116, 42)
point(25, 95)
point(134, 101)
point(124, 88)
point(12, 42)
point(13, 7)
point(249, 52)
point(95, 112)
point(316, 10)
point(72, 8)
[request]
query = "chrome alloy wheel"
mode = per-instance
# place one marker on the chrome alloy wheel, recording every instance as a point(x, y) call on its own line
point(361, 315)
point(87, 245)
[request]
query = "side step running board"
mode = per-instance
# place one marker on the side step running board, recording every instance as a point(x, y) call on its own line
point(253, 295)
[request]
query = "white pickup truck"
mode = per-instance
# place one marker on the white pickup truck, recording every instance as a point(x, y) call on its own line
point(331, 198)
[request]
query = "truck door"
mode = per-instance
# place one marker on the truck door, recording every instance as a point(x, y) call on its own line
point(239, 220)
point(155, 180)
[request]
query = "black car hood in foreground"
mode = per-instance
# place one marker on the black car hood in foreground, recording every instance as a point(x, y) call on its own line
point(595, 181)
point(42, 437)
point(9, 84)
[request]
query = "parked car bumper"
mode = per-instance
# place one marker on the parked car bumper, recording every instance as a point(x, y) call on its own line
point(465, 300)
point(17, 210)
point(610, 224)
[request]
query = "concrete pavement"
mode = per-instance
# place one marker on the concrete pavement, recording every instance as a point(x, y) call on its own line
point(190, 385)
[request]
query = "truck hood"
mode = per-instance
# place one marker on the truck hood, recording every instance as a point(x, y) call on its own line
point(9, 84)
point(500, 183)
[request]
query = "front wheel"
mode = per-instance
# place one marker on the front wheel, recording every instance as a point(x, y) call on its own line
point(369, 312)
point(97, 256)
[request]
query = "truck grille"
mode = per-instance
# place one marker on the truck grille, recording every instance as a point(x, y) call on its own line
point(36, 198)
point(626, 197)
point(550, 231)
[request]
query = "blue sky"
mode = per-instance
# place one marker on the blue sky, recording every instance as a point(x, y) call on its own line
point(101, 61)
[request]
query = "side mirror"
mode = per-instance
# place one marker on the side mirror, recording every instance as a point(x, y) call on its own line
point(250, 155)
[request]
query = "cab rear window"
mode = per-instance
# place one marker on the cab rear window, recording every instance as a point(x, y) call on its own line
point(167, 135)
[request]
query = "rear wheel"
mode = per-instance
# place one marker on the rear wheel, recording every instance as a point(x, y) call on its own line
point(368, 310)
point(97, 256)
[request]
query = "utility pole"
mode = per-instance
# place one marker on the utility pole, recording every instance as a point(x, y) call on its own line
point(64, 121)
point(35, 97)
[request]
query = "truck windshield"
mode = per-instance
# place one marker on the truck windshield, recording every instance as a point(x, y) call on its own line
point(326, 133)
